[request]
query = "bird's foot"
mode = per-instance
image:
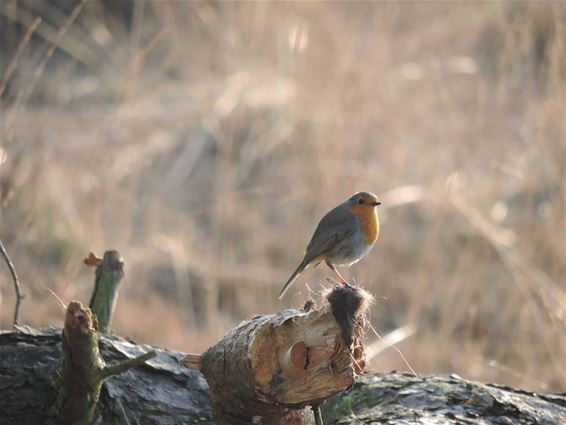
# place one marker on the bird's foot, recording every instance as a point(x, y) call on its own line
point(338, 283)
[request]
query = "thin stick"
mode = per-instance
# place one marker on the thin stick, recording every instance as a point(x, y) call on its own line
point(392, 338)
point(317, 415)
point(19, 294)
point(26, 93)
point(120, 367)
point(395, 348)
point(59, 300)
point(192, 361)
point(14, 63)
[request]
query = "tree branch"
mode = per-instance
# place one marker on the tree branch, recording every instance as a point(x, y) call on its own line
point(317, 415)
point(109, 273)
point(120, 367)
point(19, 294)
point(83, 371)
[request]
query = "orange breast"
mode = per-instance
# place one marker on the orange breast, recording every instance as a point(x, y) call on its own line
point(370, 222)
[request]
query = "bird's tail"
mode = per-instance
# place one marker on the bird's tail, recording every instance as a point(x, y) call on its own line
point(293, 277)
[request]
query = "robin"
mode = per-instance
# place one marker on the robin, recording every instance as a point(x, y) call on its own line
point(343, 236)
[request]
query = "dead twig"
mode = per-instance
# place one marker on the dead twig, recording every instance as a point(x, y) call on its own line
point(19, 294)
point(317, 415)
point(26, 93)
point(21, 47)
point(123, 366)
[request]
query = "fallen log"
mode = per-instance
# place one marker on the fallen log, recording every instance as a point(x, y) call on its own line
point(163, 392)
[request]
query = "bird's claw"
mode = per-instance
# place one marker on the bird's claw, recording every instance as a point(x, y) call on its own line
point(338, 283)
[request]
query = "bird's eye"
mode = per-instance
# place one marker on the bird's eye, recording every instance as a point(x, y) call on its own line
point(361, 201)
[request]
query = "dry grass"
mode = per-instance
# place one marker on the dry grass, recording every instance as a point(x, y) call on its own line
point(204, 141)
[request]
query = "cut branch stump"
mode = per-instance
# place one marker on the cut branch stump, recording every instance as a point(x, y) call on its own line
point(109, 273)
point(268, 369)
point(83, 370)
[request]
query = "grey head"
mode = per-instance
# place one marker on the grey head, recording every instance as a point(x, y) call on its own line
point(363, 198)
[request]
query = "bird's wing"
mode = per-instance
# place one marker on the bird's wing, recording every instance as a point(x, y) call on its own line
point(335, 226)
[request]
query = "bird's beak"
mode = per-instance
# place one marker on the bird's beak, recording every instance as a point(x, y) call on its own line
point(375, 203)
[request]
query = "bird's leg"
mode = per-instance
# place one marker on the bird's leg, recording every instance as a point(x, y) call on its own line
point(342, 280)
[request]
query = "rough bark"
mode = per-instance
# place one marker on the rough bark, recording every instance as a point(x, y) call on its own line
point(159, 392)
point(164, 392)
point(403, 399)
point(81, 379)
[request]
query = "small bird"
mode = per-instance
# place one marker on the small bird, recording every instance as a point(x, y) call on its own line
point(343, 236)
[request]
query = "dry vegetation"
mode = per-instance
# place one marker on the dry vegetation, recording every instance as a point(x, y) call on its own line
point(204, 140)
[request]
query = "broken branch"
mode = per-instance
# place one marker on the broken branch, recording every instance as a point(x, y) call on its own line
point(83, 371)
point(19, 294)
point(109, 273)
point(121, 367)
